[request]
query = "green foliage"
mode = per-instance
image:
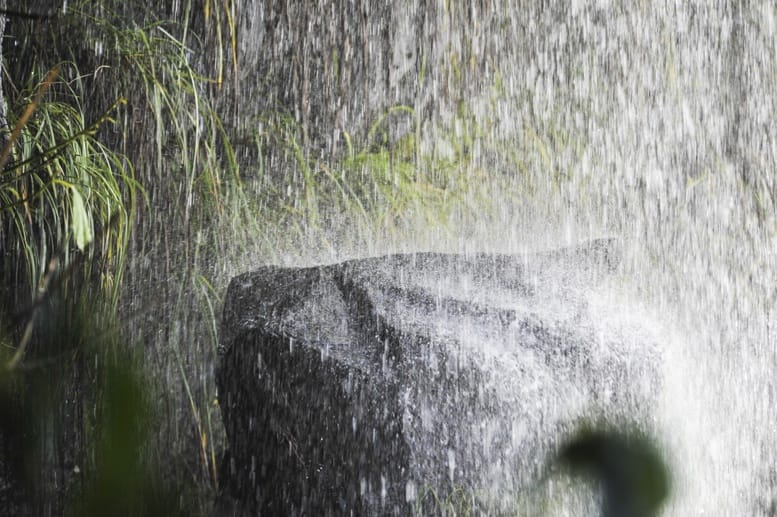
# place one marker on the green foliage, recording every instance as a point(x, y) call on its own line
point(385, 186)
point(122, 482)
point(187, 129)
point(61, 188)
point(632, 475)
point(458, 503)
point(79, 395)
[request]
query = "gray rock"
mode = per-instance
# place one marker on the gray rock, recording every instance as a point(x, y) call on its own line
point(362, 387)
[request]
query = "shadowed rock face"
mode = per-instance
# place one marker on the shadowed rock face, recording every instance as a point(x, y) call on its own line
point(360, 386)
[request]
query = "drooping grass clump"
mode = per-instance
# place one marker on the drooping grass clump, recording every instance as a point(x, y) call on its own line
point(64, 195)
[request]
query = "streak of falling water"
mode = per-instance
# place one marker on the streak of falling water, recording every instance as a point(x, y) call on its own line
point(652, 121)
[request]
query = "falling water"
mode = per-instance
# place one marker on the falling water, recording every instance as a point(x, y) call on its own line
point(652, 122)
point(535, 125)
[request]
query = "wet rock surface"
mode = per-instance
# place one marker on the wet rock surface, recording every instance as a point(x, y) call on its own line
point(367, 385)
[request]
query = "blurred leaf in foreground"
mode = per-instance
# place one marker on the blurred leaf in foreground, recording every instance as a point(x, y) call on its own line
point(628, 466)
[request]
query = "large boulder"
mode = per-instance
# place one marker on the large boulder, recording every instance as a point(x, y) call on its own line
point(369, 386)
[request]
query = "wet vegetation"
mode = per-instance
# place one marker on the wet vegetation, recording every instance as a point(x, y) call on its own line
point(99, 105)
point(134, 182)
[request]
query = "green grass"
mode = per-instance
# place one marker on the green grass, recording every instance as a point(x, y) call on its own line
point(63, 193)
